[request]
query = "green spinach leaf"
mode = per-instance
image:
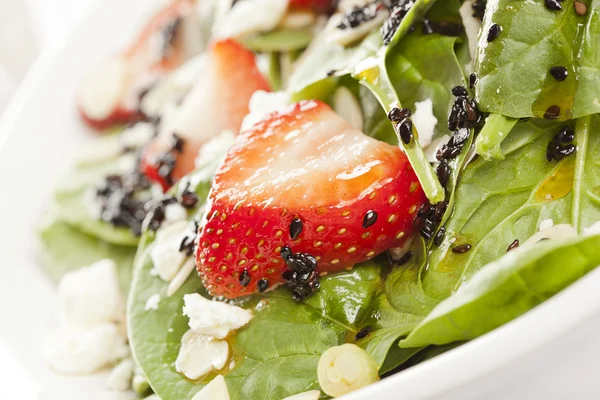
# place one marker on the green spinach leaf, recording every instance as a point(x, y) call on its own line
point(65, 248)
point(514, 69)
point(280, 40)
point(505, 289)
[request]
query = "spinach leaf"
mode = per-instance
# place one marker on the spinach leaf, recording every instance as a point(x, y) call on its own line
point(498, 201)
point(65, 248)
point(496, 129)
point(426, 67)
point(507, 288)
point(513, 70)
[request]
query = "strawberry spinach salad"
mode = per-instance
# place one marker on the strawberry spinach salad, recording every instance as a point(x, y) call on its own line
point(302, 201)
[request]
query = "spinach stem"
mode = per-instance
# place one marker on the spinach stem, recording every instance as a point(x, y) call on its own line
point(376, 79)
point(582, 133)
point(496, 129)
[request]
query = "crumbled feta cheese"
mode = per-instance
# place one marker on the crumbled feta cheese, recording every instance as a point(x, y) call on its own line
point(545, 224)
point(310, 395)
point(263, 103)
point(348, 36)
point(137, 135)
point(432, 149)
point(347, 106)
point(424, 121)
point(98, 151)
point(472, 26)
point(127, 163)
point(214, 318)
point(120, 377)
point(152, 302)
point(215, 390)
point(248, 17)
point(90, 296)
point(175, 212)
point(74, 351)
point(215, 148)
point(165, 254)
point(298, 19)
point(200, 354)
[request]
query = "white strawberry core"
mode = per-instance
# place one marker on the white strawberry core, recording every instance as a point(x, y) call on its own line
point(102, 90)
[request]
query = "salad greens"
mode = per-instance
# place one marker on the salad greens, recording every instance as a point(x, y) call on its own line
point(513, 71)
point(481, 268)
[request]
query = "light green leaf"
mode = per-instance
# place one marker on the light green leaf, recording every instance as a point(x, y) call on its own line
point(513, 70)
point(280, 40)
point(506, 289)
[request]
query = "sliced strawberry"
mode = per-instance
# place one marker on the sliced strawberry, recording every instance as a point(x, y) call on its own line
point(307, 180)
point(321, 6)
point(110, 93)
point(217, 102)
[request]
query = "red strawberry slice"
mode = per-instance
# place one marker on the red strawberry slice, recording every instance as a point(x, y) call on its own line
point(217, 102)
point(110, 93)
point(308, 180)
point(321, 6)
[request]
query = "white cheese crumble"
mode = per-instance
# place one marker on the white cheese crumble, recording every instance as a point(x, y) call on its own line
point(425, 121)
point(200, 354)
point(215, 390)
point(165, 254)
point(310, 395)
point(120, 377)
point(184, 272)
point(75, 351)
point(263, 103)
point(298, 19)
point(432, 149)
point(593, 229)
point(90, 296)
point(545, 224)
point(346, 106)
point(248, 17)
point(137, 135)
point(213, 318)
point(174, 213)
point(472, 26)
point(152, 302)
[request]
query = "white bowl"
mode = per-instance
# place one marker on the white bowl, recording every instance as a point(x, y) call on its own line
point(552, 352)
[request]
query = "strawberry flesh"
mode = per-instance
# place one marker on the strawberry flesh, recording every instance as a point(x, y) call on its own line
point(308, 180)
point(217, 102)
point(320, 6)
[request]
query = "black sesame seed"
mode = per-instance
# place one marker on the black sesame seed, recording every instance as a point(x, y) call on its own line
point(564, 151)
point(553, 5)
point(177, 143)
point(443, 172)
point(460, 137)
point(369, 219)
point(439, 236)
point(513, 245)
point(459, 91)
point(460, 249)
point(405, 129)
point(472, 80)
point(244, 278)
point(295, 228)
point(286, 252)
point(559, 73)
point(552, 112)
point(405, 257)
point(331, 72)
point(494, 32)
point(398, 114)
point(262, 285)
point(479, 8)
point(363, 333)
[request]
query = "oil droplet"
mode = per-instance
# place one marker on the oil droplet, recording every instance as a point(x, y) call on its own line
point(559, 184)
